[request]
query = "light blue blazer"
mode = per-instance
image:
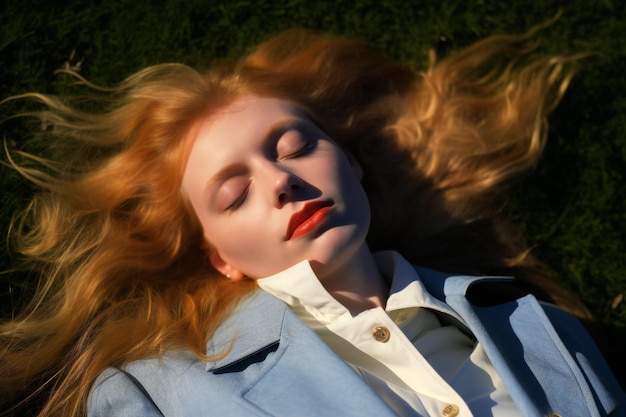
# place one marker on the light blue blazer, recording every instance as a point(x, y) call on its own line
point(278, 367)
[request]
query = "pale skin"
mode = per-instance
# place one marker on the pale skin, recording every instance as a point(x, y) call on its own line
point(252, 166)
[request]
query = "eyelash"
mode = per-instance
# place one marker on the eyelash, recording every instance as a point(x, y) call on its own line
point(308, 147)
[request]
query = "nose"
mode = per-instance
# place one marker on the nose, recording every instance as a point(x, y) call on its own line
point(284, 184)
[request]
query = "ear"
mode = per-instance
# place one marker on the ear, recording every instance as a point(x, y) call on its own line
point(224, 267)
point(356, 166)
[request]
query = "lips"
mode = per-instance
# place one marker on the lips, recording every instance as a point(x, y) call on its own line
point(307, 219)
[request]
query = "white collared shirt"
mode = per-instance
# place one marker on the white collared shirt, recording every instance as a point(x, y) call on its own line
point(419, 365)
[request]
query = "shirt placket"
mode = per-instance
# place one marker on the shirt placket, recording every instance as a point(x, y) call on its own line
point(374, 333)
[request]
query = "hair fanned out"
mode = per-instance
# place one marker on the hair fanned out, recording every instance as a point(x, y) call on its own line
point(120, 252)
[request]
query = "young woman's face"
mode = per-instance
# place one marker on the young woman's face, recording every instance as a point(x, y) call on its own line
point(271, 189)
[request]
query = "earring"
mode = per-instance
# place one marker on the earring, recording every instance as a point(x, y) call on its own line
point(228, 276)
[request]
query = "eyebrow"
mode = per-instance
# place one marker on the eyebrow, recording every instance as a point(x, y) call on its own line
point(275, 131)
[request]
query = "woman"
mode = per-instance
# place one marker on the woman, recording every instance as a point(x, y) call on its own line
point(284, 170)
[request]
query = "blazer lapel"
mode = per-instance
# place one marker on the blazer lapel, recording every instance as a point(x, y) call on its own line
point(255, 328)
point(283, 368)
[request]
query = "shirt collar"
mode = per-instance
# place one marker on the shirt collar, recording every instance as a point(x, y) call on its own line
point(299, 287)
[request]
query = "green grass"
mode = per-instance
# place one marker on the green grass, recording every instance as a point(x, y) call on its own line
point(571, 208)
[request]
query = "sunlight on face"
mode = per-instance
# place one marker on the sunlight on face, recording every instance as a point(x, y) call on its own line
point(271, 189)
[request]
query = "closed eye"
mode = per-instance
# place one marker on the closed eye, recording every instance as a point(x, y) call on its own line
point(293, 144)
point(305, 150)
point(233, 192)
point(239, 201)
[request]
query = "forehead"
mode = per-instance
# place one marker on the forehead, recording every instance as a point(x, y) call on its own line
point(233, 132)
point(248, 115)
point(243, 121)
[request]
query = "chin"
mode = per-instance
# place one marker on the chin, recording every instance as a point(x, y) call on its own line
point(335, 247)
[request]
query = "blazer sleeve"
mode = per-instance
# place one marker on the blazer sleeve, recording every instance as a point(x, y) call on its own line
point(607, 390)
point(116, 393)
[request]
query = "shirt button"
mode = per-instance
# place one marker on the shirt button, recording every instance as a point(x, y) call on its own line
point(450, 410)
point(381, 334)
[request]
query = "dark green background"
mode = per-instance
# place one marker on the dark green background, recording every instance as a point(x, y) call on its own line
point(571, 208)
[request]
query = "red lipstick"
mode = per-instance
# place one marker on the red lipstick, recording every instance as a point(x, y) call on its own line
point(307, 219)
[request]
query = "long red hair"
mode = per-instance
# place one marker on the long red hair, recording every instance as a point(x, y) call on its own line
point(119, 251)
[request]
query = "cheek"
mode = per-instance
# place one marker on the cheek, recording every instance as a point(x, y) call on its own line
point(349, 180)
point(228, 239)
point(241, 244)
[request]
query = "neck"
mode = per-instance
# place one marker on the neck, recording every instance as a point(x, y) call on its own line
point(357, 283)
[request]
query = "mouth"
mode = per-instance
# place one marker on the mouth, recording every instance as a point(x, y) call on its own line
point(307, 219)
